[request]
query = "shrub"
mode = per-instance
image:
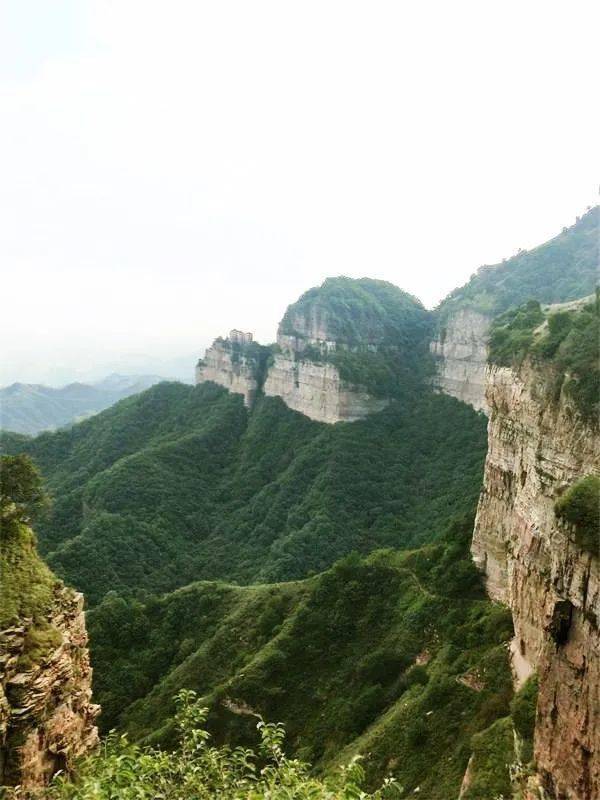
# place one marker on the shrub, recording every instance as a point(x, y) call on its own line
point(523, 709)
point(195, 769)
point(580, 506)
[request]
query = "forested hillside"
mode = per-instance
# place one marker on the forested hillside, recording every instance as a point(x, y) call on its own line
point(397, 656)
point(565, 268)
point(180, 484)
point(31, 408)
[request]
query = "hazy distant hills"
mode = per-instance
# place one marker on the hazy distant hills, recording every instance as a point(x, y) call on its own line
point(31, 408)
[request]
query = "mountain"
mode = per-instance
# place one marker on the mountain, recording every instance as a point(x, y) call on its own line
point(182, 483)
point(32, 408)
point(290, 538)
point(563, 269)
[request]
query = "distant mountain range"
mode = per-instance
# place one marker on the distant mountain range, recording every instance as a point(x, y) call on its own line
point(32, 408)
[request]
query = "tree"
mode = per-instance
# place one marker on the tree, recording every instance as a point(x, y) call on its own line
point(22, 495)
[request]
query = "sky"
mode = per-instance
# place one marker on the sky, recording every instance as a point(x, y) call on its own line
point(170, 170)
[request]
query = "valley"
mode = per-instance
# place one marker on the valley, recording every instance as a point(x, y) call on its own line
point(379, 531)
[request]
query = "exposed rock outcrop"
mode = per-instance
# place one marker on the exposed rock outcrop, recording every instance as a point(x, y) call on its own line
point(460, 349)
point(227, 364)
point(47, 718)
point(532, 562)
point(317, 391)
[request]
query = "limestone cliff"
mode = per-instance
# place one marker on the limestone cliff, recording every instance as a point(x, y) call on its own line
point(460, 349)
point(317, 391)
point(232, 363)
point(532, 562)
point(47, 718)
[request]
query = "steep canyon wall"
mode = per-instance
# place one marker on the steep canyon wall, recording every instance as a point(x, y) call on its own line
point(460, 349)
point(47, 718)
point(532, 562)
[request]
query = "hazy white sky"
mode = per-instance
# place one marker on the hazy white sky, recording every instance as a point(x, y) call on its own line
point(172, 169)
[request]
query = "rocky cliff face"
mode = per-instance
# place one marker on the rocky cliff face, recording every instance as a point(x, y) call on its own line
point(47, 718)
point(222, 365)
point(533, 563)
point(461, 352)
point(316, 390)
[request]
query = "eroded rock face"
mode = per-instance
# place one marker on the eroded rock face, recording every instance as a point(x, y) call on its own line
point(47, 718)
point(316, 390)
point(234, 372)
point(461, 352)
point(533, 563)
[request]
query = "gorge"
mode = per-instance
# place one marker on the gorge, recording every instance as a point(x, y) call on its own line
point(303, 535)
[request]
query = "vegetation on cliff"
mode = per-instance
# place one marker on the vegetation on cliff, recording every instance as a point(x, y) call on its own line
point(26, 582)
point(359, 311)
point(565, 268)
point(180, 483)
point(565, 344)
point(580, 506)
point(382, 333)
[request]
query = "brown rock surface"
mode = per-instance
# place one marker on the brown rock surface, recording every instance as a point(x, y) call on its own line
point(535, 450)
point(47, 718)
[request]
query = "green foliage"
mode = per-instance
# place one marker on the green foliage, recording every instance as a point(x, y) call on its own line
point(511, 334)
point(180, 483)
point(565, 268)
point(566, 350)
point(493, 754)
point(26, 583)
point(580, 506)
point(359, 312)
point(32, 408)
point(523, 710)
point(333, 657)
point(382, 333)
point(21, 491)
point(576, 356)
point(197, 769)
point(25, 580)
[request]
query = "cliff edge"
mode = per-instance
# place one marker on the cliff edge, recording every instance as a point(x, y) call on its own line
point(537, 532)
point(47, 718)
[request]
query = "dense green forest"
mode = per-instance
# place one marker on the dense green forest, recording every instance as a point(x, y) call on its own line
point(397, 656)
point(565, 268)
point(181, 483)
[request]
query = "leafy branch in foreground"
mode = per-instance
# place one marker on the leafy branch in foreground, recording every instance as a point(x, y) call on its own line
point(197, 770)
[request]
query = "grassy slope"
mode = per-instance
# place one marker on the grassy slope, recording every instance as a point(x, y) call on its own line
point(333, 657)
point(180, 484)
point(565, 268)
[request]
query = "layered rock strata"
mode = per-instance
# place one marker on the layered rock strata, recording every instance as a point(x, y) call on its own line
point(226, 366)
point(312, 387)
point(461, 352)
point(532, 562)
point(47, 718)
point(317, 391)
